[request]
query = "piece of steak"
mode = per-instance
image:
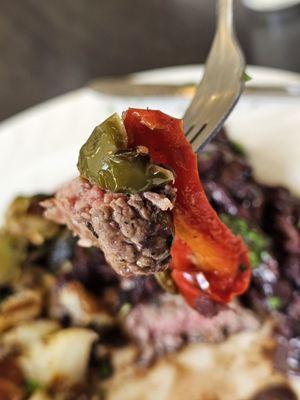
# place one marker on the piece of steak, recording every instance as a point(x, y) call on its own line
point(166, 324)
point(135, 232)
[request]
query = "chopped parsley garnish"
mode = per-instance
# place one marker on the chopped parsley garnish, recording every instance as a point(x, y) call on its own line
point(246, 77)
point(32, 385)
point(205, 155)
point(105, 368)
point(274, 302)
point(257, 242)
point(237, 148)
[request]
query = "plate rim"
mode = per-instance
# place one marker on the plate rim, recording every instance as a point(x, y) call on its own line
point(151, 75)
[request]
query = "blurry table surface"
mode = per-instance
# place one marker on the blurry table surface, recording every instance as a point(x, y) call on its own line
point(50, 47)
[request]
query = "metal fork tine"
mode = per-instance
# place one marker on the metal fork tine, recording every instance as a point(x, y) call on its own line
point(192, 134)
point(192, 117)
point(195, 131)
point(193, 108)
point(221, 84)
point(203, 138)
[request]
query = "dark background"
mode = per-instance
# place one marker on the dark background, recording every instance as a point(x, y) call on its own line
point(50, 47)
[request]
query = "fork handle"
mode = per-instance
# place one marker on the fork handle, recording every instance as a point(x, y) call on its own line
point(225, 16)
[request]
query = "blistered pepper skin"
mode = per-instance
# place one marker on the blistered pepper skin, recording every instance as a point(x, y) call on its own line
point(203, 243)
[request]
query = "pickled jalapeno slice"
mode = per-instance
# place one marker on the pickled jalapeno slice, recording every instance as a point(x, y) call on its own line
point(106, 138)
point(106, 162)
point(131, 171)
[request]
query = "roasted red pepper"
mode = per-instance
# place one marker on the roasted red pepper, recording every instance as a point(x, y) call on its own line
point(207, 259)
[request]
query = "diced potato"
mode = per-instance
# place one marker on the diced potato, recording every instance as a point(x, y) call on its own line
point(61, 357)
point(83, 308)
point(29, 332)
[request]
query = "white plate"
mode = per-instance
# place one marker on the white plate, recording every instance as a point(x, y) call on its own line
point(39, 147)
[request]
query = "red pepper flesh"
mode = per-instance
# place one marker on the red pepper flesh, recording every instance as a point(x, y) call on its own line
point(203, 244)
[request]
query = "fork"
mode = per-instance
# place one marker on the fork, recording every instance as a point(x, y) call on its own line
point(221, 85)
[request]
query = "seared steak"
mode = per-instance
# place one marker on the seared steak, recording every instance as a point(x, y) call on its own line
point(134, 232)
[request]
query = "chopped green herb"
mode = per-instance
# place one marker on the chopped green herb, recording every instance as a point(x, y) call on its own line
point(257, 242)
point(246, 77)
point(205, 155)
point(274, 302)
point(237, 148)
point(32, 385)
point(105, 369)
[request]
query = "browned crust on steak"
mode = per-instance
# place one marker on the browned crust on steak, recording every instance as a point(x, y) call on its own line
point(134, 232)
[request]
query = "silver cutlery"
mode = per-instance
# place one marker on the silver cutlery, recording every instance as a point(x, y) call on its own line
point(221, 84)
point(218, 91)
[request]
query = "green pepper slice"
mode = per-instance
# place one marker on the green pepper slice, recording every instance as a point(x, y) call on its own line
point(131, 171)
point(106, 162)
point(106, 138)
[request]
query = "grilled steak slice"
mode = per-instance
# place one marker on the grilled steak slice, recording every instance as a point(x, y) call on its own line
point(134, 232)
point(168, 323)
